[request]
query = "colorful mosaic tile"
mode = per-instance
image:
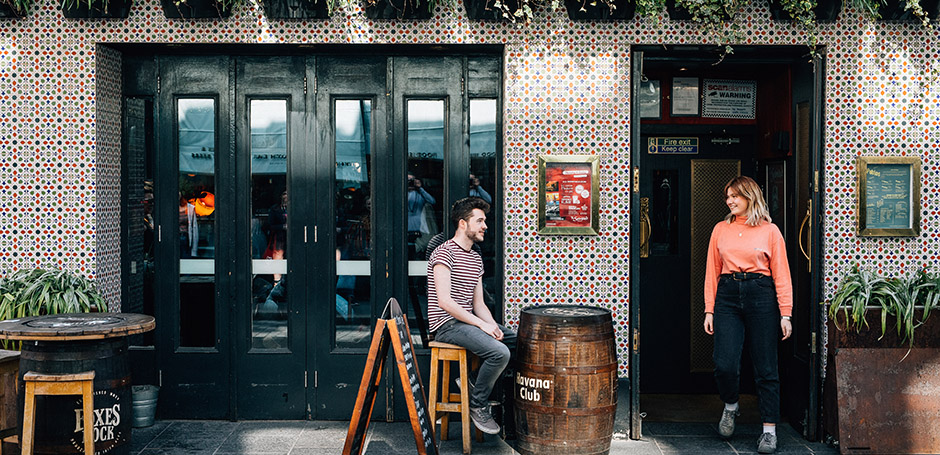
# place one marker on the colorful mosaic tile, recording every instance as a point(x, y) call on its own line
point(566, 92)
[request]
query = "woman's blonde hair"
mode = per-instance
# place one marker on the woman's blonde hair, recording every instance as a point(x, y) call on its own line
point(756, 206)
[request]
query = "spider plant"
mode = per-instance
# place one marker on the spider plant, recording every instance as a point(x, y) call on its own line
point(37, 292)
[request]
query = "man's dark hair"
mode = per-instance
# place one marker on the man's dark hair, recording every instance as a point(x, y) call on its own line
point(463, 209)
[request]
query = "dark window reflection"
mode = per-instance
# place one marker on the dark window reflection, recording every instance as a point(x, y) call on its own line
point(139, 210)
point(482, 183)
point(425, 140)
point(664, 213)
point(353, 184)
point(269, 221)
point(196, 227)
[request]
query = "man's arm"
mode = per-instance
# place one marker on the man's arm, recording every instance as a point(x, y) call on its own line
point(483, 312)
point(447, 303)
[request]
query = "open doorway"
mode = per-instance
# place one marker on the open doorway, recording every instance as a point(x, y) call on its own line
point(701, 121)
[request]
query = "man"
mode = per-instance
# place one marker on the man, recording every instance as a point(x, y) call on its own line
point(456, 311)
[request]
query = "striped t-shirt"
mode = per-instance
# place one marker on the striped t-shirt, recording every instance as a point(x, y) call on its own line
point(466, 269)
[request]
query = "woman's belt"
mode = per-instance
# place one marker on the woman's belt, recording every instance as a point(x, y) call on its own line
point(743, 276)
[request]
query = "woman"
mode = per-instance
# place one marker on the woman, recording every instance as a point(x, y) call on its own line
point(748, 296)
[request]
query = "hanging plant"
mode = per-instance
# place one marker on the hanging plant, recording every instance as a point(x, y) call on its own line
point(298, 9)
point(199, 9)
point(592, 10)
point(400, 9)
point(95, 9)
point(792, 10)
point(900, 10)
point(490, 10)
point(14, 9)
point(716, 17)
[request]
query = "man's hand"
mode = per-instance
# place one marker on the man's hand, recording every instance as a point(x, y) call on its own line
point(786, 328)
point(710, 323)
point(491, 329)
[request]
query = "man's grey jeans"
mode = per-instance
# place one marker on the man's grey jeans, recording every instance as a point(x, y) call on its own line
point(494, 353)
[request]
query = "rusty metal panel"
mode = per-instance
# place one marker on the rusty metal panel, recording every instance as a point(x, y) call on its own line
point(708, 207)
point(886, 405)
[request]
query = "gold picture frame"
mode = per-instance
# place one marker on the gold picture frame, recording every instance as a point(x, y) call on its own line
point(889, 196)
point(565, 181)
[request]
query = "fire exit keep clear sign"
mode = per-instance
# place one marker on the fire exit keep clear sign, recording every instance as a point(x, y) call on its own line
point(673, 145)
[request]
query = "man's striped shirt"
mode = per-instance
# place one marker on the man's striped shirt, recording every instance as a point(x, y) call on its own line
point(466, 269)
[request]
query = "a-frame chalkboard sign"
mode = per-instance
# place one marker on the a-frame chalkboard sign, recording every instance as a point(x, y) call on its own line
point(391, 328)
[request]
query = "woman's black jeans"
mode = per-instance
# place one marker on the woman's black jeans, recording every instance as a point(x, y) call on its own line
point(746, 312)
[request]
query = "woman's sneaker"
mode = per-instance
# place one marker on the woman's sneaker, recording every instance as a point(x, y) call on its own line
point(767, 443)
point(726, 425)
point(483, 420)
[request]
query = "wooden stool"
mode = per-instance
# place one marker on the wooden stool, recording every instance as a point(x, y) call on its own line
point(451, 402)
point(58, 384)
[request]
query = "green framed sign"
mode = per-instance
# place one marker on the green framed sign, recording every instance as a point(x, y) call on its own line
point(889, 196)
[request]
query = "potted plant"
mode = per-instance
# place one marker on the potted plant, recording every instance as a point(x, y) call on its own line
point(491, 10)
point(400, 9)
point(95, 9)
point(298, 9)
point(199, 9)
point(14, 8)
point(592, 10)
point(900, 10)
point(891, 360)
point(804, 11)
point(37, 292)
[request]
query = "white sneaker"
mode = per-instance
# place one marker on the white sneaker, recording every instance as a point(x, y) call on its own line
point(483, 420)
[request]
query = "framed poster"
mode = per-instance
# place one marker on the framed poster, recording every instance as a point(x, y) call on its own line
point(568, 194)
point(685, 97)
point(723, 98)
point(888, 196)
point(650, 100)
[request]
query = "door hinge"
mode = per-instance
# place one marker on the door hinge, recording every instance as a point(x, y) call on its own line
point(160, 378)
point(305, 234)
point(158, 85)
point(305, 85)
point(636, 180)
point(316, 379)
point(314, 84)
point(463, 87)
point(812, 343)
point(816, 181)
point(636, 341)
point(305, 379)
point(315, 235)
point(159, 233)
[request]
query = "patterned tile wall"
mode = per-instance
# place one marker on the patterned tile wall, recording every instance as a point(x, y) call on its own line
point(566, 91)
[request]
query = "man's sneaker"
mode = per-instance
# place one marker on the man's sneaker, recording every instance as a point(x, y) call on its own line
point(483, 420)
point(726, 425)
point(458, 384)
point(767, 443)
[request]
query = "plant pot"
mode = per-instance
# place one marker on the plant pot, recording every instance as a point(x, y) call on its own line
point(582, 10)
point(893, 10)
point(825, 11)
point(7, 12)
point(194, 9)
point(296, 9)
point(483, 10)
point(398, 9)
point(676, 12)
point(79, 9)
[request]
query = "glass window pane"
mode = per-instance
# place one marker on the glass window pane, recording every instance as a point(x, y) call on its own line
point(353, 184)
point(482, 182)
point(196, 228)
point(425, 138)
point(139, 211)
point(269, 221)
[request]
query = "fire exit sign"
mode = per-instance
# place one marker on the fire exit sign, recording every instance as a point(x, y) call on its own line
point(673, 145)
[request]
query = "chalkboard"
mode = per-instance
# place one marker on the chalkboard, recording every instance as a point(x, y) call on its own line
point(391, 328)
point(889, 196)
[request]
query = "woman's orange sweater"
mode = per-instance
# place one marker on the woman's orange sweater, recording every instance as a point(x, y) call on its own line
point(737, 247)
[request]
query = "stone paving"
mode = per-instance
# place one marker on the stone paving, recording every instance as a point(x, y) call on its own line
point(185, 437)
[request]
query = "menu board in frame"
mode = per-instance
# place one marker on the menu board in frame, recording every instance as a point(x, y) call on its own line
point(569, 198)
point(889, 196)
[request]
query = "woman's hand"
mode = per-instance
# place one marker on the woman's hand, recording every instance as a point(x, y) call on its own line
point(710, 323)
point(786, 328)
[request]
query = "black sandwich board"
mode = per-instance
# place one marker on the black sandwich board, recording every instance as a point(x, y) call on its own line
point(391, 328)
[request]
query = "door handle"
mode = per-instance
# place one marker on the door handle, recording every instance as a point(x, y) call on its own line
point(808, 252)
point(646, 228)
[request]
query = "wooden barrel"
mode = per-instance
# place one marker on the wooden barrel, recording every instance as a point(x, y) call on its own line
point(566, 380)
point(58, 418)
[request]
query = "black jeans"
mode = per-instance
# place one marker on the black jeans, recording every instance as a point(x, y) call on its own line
point(746, 312)
point(494, 353)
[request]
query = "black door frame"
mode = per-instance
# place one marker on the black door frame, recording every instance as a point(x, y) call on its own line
point(479, 78)
point(816, 167)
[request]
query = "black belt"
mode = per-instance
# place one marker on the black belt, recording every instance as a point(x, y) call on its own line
point(743, 276)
